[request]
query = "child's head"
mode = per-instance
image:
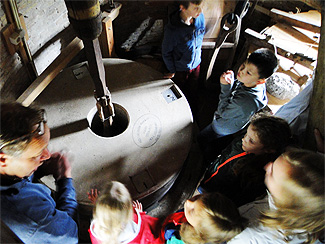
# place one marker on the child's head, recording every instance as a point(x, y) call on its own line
point(211, 217)
point(260, 65)
point(296, 183)
point(266, 134)
point(113, 210)
point(190, 8)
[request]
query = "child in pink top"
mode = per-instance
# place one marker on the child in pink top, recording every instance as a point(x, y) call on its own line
point(118, 220)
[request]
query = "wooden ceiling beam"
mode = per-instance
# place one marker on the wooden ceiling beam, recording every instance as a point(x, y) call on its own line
point(293, 19)
point(316, 4)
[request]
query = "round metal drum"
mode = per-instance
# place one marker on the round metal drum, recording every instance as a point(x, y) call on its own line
point(152, 130)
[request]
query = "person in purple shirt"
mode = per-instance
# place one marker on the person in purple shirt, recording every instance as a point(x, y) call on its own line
point(27, 206)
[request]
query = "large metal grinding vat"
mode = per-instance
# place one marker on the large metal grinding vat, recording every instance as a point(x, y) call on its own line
point(150, 137)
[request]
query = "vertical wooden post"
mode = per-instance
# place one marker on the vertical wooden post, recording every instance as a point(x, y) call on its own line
point(106, 38)
point(316, 114)
point(22, 48)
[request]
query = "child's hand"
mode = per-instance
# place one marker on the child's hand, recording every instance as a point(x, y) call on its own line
point(169, 75)
point(93, 195)
point(227, 78)
point(138, 205)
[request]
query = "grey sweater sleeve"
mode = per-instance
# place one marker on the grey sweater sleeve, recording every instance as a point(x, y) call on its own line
point(233, 113)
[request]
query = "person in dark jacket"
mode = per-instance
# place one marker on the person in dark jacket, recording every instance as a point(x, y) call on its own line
point(238, 172)
point(27, 206)
point(181, 47)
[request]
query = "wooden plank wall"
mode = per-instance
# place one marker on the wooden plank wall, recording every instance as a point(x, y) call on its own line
point(316, 114)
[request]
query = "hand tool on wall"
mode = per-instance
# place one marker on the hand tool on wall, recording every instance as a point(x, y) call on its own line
point(85, 17)
point(241, 10)
point(229, 23)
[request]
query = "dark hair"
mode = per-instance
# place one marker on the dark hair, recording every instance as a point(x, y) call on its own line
point(187, 3)
point(265, 61)
point(226, 212)
point(17, 121)
point(273, 132)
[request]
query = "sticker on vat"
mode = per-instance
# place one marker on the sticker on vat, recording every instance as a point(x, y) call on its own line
point(146, 130)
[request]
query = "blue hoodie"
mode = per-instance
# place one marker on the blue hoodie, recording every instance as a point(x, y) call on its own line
point(29, 210)
point(181, 47)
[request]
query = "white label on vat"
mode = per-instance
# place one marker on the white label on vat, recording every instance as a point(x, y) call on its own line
point(146, 130)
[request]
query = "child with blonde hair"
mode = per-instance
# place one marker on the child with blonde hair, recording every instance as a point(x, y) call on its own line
point(116, 220)
point(206, 218)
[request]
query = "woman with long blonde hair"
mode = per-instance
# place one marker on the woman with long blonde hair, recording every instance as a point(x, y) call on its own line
point(296, 211)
